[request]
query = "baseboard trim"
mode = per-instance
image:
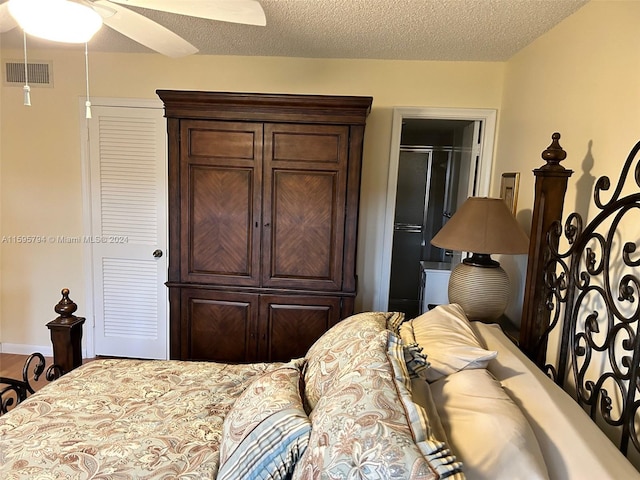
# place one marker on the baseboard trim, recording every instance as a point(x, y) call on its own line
point(22, 349)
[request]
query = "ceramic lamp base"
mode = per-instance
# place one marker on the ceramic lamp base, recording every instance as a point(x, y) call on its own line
point(481, 291)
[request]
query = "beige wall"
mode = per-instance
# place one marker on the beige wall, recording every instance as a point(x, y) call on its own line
point(40, 174)
point(579, 79)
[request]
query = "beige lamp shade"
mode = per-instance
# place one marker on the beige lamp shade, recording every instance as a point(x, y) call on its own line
point(482, 226)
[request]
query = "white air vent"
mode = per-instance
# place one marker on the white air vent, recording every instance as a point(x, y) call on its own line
point(40, 73)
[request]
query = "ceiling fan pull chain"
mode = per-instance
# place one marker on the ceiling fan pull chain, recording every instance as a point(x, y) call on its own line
point(26, 88)
point(86, 69)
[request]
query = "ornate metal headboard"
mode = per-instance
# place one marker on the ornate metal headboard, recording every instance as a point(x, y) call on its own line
point(591, 285)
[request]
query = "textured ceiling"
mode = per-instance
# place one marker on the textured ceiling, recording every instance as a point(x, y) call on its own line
point(456, 30)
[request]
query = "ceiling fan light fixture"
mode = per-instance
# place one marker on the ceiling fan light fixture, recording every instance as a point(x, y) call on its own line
point(56, 20)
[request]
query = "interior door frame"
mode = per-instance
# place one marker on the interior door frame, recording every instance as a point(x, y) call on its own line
point(88, 350)
point(486, 116)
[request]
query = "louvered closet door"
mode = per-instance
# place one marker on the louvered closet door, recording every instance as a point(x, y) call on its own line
point(127, 148)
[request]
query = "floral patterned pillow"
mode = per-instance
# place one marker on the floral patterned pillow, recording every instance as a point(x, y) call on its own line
point(332, 353)
point(267, 430)
point(360, 427)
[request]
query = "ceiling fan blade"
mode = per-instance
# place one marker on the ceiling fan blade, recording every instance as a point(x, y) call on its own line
point(146, 31)
point(248, 12)
point(7, 22)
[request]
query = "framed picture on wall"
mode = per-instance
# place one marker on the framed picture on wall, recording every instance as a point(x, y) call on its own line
point(509, 190)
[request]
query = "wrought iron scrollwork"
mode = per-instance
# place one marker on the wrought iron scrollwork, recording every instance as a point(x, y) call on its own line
point(591, 289)
point(603, 183)
point(14, 391)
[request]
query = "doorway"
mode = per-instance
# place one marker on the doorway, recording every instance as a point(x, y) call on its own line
point(439, 157)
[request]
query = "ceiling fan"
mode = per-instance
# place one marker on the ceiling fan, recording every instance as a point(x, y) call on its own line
point(116, 15)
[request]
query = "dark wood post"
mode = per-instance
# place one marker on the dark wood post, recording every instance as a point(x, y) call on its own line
point(550, 189)
point(66, 334)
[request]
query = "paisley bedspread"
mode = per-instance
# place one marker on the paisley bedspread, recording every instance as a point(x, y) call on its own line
point(124, 419)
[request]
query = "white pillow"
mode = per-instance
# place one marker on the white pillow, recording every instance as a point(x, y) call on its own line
point(486, 429)
point(572, 445)
point(448, 341)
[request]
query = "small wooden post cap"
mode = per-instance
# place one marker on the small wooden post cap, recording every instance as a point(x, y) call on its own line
point(554, 153)
point(65, 308)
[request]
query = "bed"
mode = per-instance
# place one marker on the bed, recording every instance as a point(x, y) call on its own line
point(378, 396)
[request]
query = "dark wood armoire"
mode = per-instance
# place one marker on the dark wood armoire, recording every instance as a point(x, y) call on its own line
point(263, 214)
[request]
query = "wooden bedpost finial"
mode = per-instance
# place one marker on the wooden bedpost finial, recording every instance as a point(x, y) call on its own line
point(550, 189)
point(66, 335)
point(65, 307)
point(554, 153)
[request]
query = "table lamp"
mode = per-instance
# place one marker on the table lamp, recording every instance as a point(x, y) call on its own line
point(481, 226)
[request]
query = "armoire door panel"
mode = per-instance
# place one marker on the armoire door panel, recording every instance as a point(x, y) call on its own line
point(220, 222)
point(221, 205)
point(304, 240)
point(291, 324)
point(221, 326)
point(304, 208)
point(306, 143)
point(222, 143)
